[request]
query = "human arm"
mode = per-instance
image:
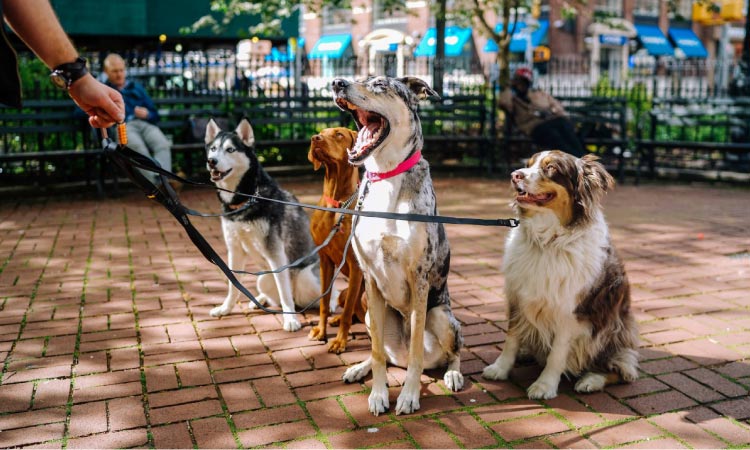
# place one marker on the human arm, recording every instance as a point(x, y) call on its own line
point(146, 110)
point(505, 101)
point(556, 107)
point(35, 22)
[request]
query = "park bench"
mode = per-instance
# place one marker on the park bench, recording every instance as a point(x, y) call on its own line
point(287, 123)
point(601, 124)
point(180, 120)
point(689, 137)
point(46, 143)
point(455, 131)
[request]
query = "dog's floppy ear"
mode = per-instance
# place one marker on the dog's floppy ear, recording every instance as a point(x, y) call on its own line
point(596, 174)
point(245, 132)
point(593, 182)
point(420, 88)
point(311, 156)
point(212, 129)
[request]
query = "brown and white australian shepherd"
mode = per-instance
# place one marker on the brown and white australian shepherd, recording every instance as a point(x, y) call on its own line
point(567, 292)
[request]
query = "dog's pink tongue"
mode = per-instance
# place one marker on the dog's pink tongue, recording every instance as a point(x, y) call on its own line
point(532, 198)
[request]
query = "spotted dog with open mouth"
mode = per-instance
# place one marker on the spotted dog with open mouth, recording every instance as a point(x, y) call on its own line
point(405, 264)
point(272, 233)
point(567, 291)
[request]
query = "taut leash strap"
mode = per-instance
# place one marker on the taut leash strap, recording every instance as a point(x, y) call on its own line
point(127, 155)
point(121, 156)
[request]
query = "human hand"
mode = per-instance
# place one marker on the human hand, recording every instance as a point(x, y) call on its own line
point(141, 112)
point(103, 104)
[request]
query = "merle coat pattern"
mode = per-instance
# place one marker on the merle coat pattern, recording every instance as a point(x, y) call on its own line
point(273, 233)
point(406, 264)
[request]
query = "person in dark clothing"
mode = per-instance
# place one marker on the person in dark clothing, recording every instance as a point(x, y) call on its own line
point(539, 115)
point(35, 22)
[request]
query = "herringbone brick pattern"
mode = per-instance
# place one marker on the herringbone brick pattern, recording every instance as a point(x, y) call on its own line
point(106, 342)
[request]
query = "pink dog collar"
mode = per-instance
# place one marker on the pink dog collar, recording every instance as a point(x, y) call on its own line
point(401, 168)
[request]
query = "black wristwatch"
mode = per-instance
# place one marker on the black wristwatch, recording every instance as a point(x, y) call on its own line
point(66, 74)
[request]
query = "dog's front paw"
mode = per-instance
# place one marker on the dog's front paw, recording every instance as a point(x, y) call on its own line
point(378, 401)
point(591, 382)
point(317, 333)
point(357, 372)
point(453, 380)
point(408, 401)
point(496, 372)
point(219, 311)
point(542, 390)
point(291, 323)
point(337, 345)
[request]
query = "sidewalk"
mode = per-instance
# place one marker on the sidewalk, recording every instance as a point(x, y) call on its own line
point(106, 340)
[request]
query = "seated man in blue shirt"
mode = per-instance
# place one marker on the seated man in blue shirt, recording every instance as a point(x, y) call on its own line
point(140, 114)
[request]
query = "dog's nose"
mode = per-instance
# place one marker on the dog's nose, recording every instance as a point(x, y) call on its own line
point(212, 162)
point(517, 176)
point(318, 137)
point(339, 84)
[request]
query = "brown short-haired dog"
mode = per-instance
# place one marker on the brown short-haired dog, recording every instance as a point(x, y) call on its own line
point(329, 149)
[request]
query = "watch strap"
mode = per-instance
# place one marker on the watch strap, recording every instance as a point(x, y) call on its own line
point(72, 71)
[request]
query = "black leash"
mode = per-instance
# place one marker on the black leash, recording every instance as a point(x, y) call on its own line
point(122, 155)
point(129, 160)
point(148, 163)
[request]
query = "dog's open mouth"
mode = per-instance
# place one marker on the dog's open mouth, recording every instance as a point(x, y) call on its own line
point(539, 199)
point(373, 129)
point(217, 175)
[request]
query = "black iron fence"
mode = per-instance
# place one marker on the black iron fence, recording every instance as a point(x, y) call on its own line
point(675, 114)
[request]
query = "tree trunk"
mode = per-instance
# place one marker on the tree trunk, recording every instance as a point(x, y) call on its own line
point(438, 63)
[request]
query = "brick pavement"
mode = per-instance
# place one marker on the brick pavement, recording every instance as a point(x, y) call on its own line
point(106, 341)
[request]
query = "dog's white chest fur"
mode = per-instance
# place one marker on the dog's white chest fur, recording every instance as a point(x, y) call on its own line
point(388, 248)
point(251, 235)
point(546, 264)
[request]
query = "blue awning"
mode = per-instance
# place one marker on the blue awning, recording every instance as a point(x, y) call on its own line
point(277, 55)
point(654, 40)
point(456, 42)
point(332, 46)
point(685, 39)
point(520, 36)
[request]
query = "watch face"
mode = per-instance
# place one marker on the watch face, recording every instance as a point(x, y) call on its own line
point(58, 80)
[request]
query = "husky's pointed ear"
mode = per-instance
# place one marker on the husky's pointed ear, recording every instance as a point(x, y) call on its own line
point(212, 129)
point(245, 132)
point(420, 88)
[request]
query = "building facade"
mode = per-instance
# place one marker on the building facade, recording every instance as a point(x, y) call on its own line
point(594, 37)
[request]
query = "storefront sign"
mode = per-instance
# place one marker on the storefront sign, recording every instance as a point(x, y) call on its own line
point(613, 39)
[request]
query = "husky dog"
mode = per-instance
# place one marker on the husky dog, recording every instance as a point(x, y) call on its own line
point(405, 264)
point(272, 233)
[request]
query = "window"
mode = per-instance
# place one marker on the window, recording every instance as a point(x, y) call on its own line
point(383, 17)
point(683, 10)
point(608, 8)
point(336, 17)
point(648, 8)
